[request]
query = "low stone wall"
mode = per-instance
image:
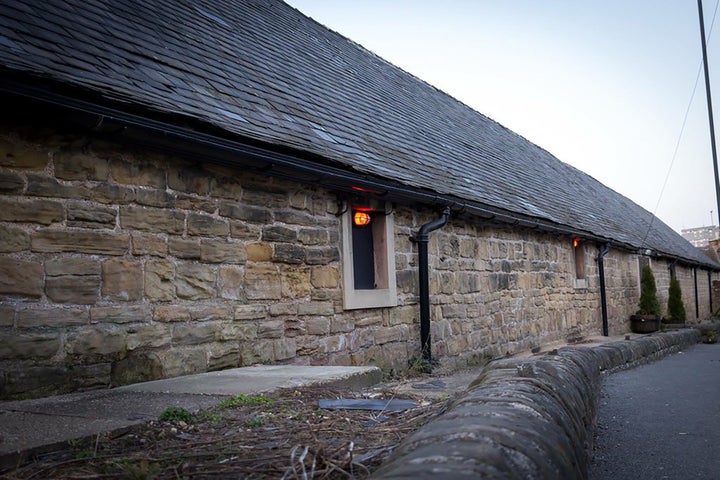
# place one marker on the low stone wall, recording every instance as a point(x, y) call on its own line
point(526, 418)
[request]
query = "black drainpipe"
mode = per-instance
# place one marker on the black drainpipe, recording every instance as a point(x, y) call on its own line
point(422, 239)
point(710, 290)
point(603, 298)
point(697, 305)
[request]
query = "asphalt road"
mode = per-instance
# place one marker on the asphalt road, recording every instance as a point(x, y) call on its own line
point(661, 420)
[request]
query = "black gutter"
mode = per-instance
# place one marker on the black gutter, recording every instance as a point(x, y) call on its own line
point(603, 297)
point(422, 239)
point(162, 135)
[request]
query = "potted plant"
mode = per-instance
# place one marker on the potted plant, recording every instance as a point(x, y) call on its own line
point(647, 318)
point(676, 308)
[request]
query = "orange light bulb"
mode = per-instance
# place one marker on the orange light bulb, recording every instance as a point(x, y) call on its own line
point(361, 219)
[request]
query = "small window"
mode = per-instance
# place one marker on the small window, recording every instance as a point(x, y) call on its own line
point(579, 251)
point(368, 258)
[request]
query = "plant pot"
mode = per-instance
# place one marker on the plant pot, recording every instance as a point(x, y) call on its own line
point(644, 323)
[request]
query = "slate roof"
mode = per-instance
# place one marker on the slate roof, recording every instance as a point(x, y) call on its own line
point(262, 70)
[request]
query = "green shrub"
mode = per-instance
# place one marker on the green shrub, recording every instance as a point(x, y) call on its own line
point(676, 308)
point(649, 304)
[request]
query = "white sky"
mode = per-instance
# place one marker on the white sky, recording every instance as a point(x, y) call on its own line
point(601, 84)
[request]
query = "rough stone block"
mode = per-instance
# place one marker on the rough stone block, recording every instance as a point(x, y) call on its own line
point(148, 244)
point(225, 187)
point(239, 332)
point(207, 313)
point(88, 215)
point(324, 277)
point(259, 351)
point(51, 317)
point(289, 253)
point(16, 155)
point(397, 333)
point(244, 231)
point(245, 213)
point(153, 335)
point(207, 226)
point(122, 280)
point(220, 251)
point(317, 326)
point(21, 278)
point(284, 349)
point(77, 241)
point(190, 180)
point(96, 341)
point(135, 368)
point(44, 212)
point(76, 164)
point(44, 186)
point(278, 233)
point(262, 282)
point(30, 346)
point(313, 236)
point(259, 252)
point(316, 308)
point(11, 182)
point(194, 282)
point(194, 203)
point(155, 198)
point(13, 239)
point(184, 361)
point(278, 309)
point(295, 281)
point(321, 256)
point(333, 344)
point(194, 333)
point(72, 280)
point(271, 328)
point(121, 314)
point(223, 356)
point(137, 173)
point(249, 312)
point(109, 193)
point(186, 248)
point(294, 217)
point(154, 220)
point(342, 325)
point(230, 282)
point(159, 280)
point(264, 196)
point(7, 316)
point(171, 313)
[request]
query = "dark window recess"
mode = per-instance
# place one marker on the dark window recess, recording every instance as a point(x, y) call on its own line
point(363, 257)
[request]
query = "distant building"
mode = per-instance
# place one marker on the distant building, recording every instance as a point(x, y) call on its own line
point(700, 236)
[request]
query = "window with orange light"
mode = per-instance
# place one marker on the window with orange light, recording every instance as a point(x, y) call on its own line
point(368, 257)
point(579, 250)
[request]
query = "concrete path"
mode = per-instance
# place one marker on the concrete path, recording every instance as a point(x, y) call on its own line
point(29, 427)
point(661, 420)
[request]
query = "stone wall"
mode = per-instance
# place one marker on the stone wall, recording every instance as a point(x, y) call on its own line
point(118, 266)
point(525, 418)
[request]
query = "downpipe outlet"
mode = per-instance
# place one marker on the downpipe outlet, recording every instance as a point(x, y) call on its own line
point(422, 238)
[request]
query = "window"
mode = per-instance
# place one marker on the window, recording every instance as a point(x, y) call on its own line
point(368, 257)
point(579, 251)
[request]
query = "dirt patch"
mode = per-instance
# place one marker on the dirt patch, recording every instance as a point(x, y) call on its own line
point(281, 435)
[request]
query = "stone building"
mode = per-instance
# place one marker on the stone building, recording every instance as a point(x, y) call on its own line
point(701, 236)
point(192, 186)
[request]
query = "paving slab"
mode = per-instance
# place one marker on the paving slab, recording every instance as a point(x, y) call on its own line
point(31, 427)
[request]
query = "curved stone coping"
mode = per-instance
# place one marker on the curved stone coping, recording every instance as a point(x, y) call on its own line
point(525, 418)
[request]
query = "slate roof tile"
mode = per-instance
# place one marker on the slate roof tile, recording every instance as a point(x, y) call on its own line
point(262, 70)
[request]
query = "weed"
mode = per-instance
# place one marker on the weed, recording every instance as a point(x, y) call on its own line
point(241, 400)
point(175, 415)
point(209, 416)
point(417, 366)
point(255, 422)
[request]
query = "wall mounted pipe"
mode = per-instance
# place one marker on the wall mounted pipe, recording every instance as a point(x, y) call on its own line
point(697, 304)
point(422, 238)
point(603, 297)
